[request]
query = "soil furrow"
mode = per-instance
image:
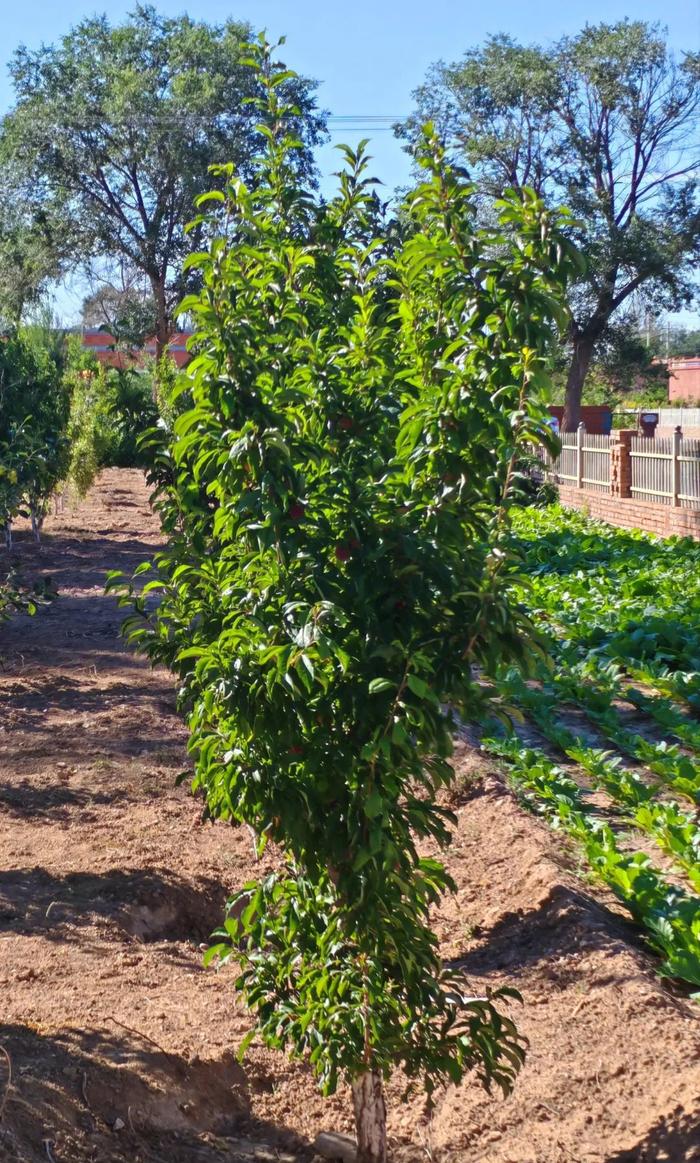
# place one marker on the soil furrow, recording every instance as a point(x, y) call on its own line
point(122, 1047)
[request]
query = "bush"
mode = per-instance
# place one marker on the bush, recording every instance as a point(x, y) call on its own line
point(133, 410)
point(34, 409)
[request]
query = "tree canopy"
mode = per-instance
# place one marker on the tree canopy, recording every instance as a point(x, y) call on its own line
point(115, 127)
point(605, 123)
point(126, 313)
point(34, 245)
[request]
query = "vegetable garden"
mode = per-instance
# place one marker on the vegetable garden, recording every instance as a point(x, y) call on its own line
point(619, 614)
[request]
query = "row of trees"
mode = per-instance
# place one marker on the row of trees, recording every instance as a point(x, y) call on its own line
point(114, 129)
point(62, 416)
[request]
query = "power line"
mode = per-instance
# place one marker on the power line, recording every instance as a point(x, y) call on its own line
point(366, 117)
point(180, 118)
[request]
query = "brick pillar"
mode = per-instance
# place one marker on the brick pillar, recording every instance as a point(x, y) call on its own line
point(620, 462)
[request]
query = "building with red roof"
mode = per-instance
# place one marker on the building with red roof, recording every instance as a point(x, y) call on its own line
point(104, 348)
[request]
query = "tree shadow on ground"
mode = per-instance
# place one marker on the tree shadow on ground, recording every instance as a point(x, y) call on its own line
point(565, 921)
point(674, 1138)
point(78, 625)
point(65, 717)
point(26, 800)
point(113, 1094)
point(32, 698)
point(148, 905)
point(73, 560)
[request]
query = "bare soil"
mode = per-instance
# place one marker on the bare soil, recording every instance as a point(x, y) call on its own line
point(116, 1045)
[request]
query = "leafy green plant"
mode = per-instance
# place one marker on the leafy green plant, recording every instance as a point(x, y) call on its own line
point(34, 405)
point(669, 915)
point(16, 598)
point(675, 831)
point(134, 411)
point(619, 613)
point(337, 499)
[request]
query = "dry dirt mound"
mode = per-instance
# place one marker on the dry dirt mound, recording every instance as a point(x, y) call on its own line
point(121, 1046)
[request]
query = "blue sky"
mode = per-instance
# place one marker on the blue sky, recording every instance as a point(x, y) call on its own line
point(368, 54)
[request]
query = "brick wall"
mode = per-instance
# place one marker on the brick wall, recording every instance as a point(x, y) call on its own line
point(663, 520)
point(596, 417)
point(102, 346)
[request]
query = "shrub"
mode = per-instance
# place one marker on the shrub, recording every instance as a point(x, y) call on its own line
point(34, 408)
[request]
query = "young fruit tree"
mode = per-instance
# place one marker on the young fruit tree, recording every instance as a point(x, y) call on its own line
point(34, 410)
point(337, 573)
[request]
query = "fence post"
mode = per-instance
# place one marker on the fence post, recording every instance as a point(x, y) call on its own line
point(580, 432)
point(621, 462)
point(676, 465)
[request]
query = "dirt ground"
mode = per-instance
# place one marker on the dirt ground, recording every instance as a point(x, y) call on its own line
point(116, 1045)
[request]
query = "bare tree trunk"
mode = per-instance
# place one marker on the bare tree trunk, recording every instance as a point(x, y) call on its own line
point(370, 1117)
point(36, 522)
point(578, 369)
point(163, 324)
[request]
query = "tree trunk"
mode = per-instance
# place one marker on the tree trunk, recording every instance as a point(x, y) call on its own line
point(36, 522)
point(578, 369)
point(370, 1117)
point(163, 325)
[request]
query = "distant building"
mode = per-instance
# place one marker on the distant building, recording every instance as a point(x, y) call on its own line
point(103, 347)
point(684, 379)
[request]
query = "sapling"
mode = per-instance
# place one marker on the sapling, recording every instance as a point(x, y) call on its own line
point(337, 572)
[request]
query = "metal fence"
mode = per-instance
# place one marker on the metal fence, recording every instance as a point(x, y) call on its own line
point(566, 464)
point(666, 469)
point(595, 463)
point(584, 461)
point(662, 469)
point(689, 474)
point(653, 469)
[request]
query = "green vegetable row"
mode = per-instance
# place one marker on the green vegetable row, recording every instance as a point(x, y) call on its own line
point(669, 915)
point(620, 615)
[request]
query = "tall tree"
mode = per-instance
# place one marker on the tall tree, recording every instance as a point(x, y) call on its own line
point(116, 126)
point(127, 313)
point(34, 246)
point(603, 122)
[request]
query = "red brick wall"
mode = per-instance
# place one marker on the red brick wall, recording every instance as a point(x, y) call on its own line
point(663, 520)
point(102, 347)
